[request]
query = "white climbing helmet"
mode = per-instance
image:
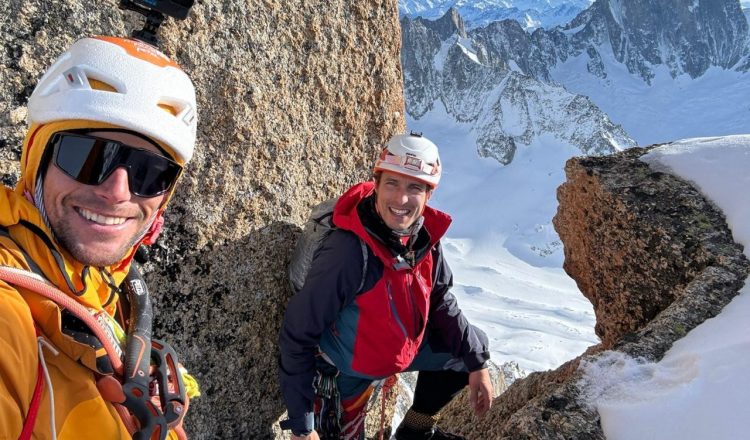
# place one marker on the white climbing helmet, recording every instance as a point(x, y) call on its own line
point(124, 82)
point(411, 155)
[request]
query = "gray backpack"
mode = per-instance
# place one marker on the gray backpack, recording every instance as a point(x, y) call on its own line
point(318, 227)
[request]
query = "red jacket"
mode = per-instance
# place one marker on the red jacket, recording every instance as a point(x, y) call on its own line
point(380, 332)
point(375, 332)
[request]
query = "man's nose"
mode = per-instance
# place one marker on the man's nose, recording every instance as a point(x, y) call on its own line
point(115, 189)
point(402, 196)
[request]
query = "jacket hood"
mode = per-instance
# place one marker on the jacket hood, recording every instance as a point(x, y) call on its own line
point(90, 286)
point(31, 245)
point(345, 216)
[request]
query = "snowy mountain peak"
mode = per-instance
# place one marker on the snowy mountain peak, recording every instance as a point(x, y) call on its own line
point(530, 14)
point(688, 37)
point(450, 23)
point(478, 86)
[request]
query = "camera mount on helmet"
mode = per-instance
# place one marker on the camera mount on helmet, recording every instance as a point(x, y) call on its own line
point(154, 11)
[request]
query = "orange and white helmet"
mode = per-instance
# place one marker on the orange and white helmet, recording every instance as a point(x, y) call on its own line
point(411, 155)
point(123, 82)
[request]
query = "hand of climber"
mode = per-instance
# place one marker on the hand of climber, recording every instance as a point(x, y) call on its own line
point(311, 436)
point(480, 391)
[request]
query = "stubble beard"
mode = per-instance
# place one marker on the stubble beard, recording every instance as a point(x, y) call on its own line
point(66, 237)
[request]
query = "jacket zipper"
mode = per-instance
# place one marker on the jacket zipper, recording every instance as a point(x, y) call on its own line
point(394, 311)
point(415, 311)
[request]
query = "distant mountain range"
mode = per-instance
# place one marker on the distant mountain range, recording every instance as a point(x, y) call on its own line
point(512, 85)
point(506, 107)
point(530, 14)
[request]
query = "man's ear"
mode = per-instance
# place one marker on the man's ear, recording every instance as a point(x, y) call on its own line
point(429, 192)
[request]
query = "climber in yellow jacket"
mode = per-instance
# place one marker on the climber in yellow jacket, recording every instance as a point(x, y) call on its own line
point(111, 125)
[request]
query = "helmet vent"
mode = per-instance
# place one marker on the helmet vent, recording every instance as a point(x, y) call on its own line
point(101, 85)
point(180, 109)
point(85, 78)
point(168, 108)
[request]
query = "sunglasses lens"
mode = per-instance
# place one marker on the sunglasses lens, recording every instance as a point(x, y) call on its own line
point(90, 160)
point(149, 174)
point(81, 158)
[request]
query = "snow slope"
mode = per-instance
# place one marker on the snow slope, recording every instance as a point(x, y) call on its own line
point(668, 109)
point(701, 388)
point(505, 255)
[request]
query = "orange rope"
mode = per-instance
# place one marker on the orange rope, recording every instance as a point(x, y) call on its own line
point(21, 278)
point(386, 394)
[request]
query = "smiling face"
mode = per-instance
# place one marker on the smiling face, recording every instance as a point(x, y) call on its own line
point(99, 224)
point(400, 200)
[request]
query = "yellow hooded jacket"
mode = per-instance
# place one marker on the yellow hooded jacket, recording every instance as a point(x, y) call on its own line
point(79, 410)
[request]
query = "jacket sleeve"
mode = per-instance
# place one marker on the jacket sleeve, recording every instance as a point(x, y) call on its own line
point(18, 363)
point(448, 325)
point(331, 284)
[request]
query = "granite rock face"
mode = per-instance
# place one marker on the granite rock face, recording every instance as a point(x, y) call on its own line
point(654, 257)
point(638, 256)
point(295, 101)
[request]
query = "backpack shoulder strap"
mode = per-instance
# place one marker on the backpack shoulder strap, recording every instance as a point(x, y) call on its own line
point(365, 254)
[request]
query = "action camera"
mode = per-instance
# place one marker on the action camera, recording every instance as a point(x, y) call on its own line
point(154, 11)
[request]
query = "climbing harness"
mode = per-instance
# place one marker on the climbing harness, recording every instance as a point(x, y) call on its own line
point(328, 418)
point(150, 369)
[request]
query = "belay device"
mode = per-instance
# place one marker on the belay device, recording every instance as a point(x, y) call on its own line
point(154, 11)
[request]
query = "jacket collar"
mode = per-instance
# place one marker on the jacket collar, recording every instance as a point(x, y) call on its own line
point(345, 216)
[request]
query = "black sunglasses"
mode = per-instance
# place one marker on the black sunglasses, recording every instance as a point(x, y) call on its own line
point(90, 160)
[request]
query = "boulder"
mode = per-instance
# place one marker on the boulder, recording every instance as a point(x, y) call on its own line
point(654, 257)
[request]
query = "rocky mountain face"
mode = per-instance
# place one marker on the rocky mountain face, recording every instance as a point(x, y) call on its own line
point(500, 80)
point(654, 257)
point(447, 66)
point(294, 105)
point(687, 38)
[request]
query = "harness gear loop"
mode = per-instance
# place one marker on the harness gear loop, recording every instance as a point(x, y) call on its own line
point(328, 421)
